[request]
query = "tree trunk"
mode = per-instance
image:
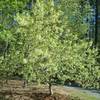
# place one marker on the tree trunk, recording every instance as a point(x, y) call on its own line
point(25, 83)
point(50, 87)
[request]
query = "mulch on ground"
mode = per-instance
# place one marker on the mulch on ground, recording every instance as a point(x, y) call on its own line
point(14, 90)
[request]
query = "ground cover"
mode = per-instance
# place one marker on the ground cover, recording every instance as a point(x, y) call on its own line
point(14, 90)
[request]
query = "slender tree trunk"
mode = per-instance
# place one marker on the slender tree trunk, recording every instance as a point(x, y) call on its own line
point(50, 89)
point(25, 83)
point(50, 86)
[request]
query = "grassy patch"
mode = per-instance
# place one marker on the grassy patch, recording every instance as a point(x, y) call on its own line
point(83, 95)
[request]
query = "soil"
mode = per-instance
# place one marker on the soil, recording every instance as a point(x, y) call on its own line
point(14, 90)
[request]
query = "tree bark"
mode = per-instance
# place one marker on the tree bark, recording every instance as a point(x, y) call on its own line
point(50, 87)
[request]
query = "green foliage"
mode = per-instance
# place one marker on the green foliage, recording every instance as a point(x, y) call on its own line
point(40, 45)
point(48, 43)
